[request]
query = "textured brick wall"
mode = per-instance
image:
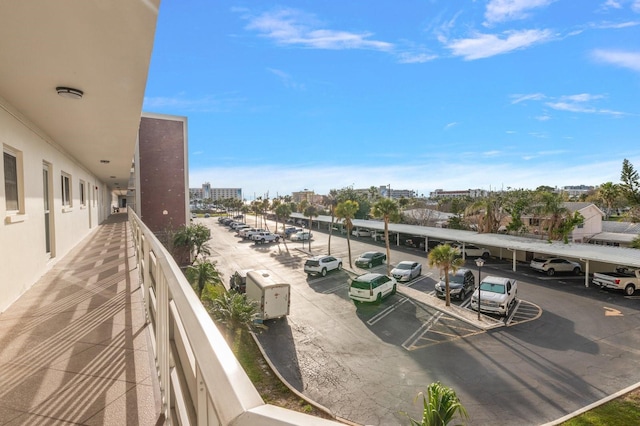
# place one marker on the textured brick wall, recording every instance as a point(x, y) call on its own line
point(162, 173)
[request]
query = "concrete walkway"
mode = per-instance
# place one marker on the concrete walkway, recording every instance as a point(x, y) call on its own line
point(75, 348)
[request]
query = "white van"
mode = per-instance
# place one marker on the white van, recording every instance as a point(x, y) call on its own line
point(271, 295)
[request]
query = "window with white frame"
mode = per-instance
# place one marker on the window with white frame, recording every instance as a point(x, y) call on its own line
point(83, 198)
point(65, 181)
point(12, 176)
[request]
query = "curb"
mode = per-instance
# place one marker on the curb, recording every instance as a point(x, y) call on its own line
point(593, 405)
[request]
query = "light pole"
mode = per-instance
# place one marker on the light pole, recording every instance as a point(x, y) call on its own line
point(480, 263)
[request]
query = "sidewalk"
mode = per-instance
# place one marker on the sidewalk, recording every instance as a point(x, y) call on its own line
point(74, 349)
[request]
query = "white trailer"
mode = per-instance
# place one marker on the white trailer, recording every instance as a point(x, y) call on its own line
point(270, 294)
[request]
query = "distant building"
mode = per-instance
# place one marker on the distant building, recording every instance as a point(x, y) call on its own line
point(303, 195)
point(473, 193)
point(214, 194)
point(577, 190)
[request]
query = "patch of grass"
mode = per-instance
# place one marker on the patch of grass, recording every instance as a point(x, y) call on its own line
point(623, 411)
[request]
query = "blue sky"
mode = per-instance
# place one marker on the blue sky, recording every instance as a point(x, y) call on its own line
point(452, 94)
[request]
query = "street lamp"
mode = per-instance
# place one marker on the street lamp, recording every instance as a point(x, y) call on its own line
point(480, 263)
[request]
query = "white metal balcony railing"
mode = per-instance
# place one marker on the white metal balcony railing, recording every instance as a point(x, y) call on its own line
point(201, 381)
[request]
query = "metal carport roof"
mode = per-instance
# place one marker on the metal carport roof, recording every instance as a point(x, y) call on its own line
point(585, 252)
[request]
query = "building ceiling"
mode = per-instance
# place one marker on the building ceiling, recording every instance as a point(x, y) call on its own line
point(102, 48)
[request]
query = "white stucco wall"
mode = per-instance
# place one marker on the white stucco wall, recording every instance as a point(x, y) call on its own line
point(23, 259)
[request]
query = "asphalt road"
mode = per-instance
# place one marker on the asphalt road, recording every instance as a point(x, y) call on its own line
point(565, 345)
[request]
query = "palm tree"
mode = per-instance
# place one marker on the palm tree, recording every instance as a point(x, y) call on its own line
point(441, 405)
point(331, 201)
point(235, 311)
point(552, 208)
point(446, 258)
point(388, 210)
point(194, 239)
point(346, 211)
point(202, 273)
point(490, 211)
point(283, 211)
point(310, 211)
point(608, 192)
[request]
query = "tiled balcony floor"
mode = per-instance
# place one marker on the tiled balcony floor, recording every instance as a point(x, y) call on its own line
point(75, 349)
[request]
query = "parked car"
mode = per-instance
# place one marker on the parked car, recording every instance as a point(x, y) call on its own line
point(378, 236)
point(406, 270)
point(265, 237)
point(461, 283)
point(471, 250)
point(555, 264)
point(301, 236)
point(320, 265)
point(361, 232)
point(246, 233)
point(371, 287)
point(289, 231)
point(623, 278)
point(497, 295)
point(370, 258)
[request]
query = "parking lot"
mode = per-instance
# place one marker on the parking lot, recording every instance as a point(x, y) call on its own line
point(560, 347)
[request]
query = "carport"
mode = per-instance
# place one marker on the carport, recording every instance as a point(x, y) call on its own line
point(601, 258)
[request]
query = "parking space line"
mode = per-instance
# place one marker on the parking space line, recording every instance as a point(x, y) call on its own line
point(422, 330)
point(387, 311)
point(334, 289)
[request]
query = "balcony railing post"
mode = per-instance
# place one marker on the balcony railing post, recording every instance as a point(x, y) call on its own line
point(162, 339)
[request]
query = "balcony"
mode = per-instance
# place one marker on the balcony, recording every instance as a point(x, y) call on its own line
point(113, 334)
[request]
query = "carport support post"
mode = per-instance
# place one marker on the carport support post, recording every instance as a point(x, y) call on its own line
point(479, 262)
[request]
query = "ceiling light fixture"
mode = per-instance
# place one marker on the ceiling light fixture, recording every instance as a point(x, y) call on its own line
point(105, 161)
point(68, 92)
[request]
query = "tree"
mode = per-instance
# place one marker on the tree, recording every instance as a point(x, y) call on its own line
point(446, 258)
point(346, 211)
point(516, 204)
point(331, 201)
point(636, 242)
point(608, 192)
point(310, 211)
point(630, 185)
point(194, 239)
point(201, 273)
point(489, 212)
point(557, 219)
point(387, 209)
point(235, 311)
point(440, 406)
point(283, 211)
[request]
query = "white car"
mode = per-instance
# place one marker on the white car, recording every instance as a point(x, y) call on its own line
point(497, 295)
point(471, 250)
point(247, 233)
point(265, 237)
point(555, 264)
point(406, 271)
point(301, 236)
point(371, 287)
point(361, 232)
point(320, 265)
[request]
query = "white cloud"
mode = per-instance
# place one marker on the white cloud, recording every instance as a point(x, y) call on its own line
point(292, 27)
point(553, 168)
point(624, 59)
point(510, 10)
point(450, 125)
point(530, 97)
point(286, 79)
point(487, 45)
point(415, 58)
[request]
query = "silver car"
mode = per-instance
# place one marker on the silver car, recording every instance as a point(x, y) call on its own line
point(406, 270)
